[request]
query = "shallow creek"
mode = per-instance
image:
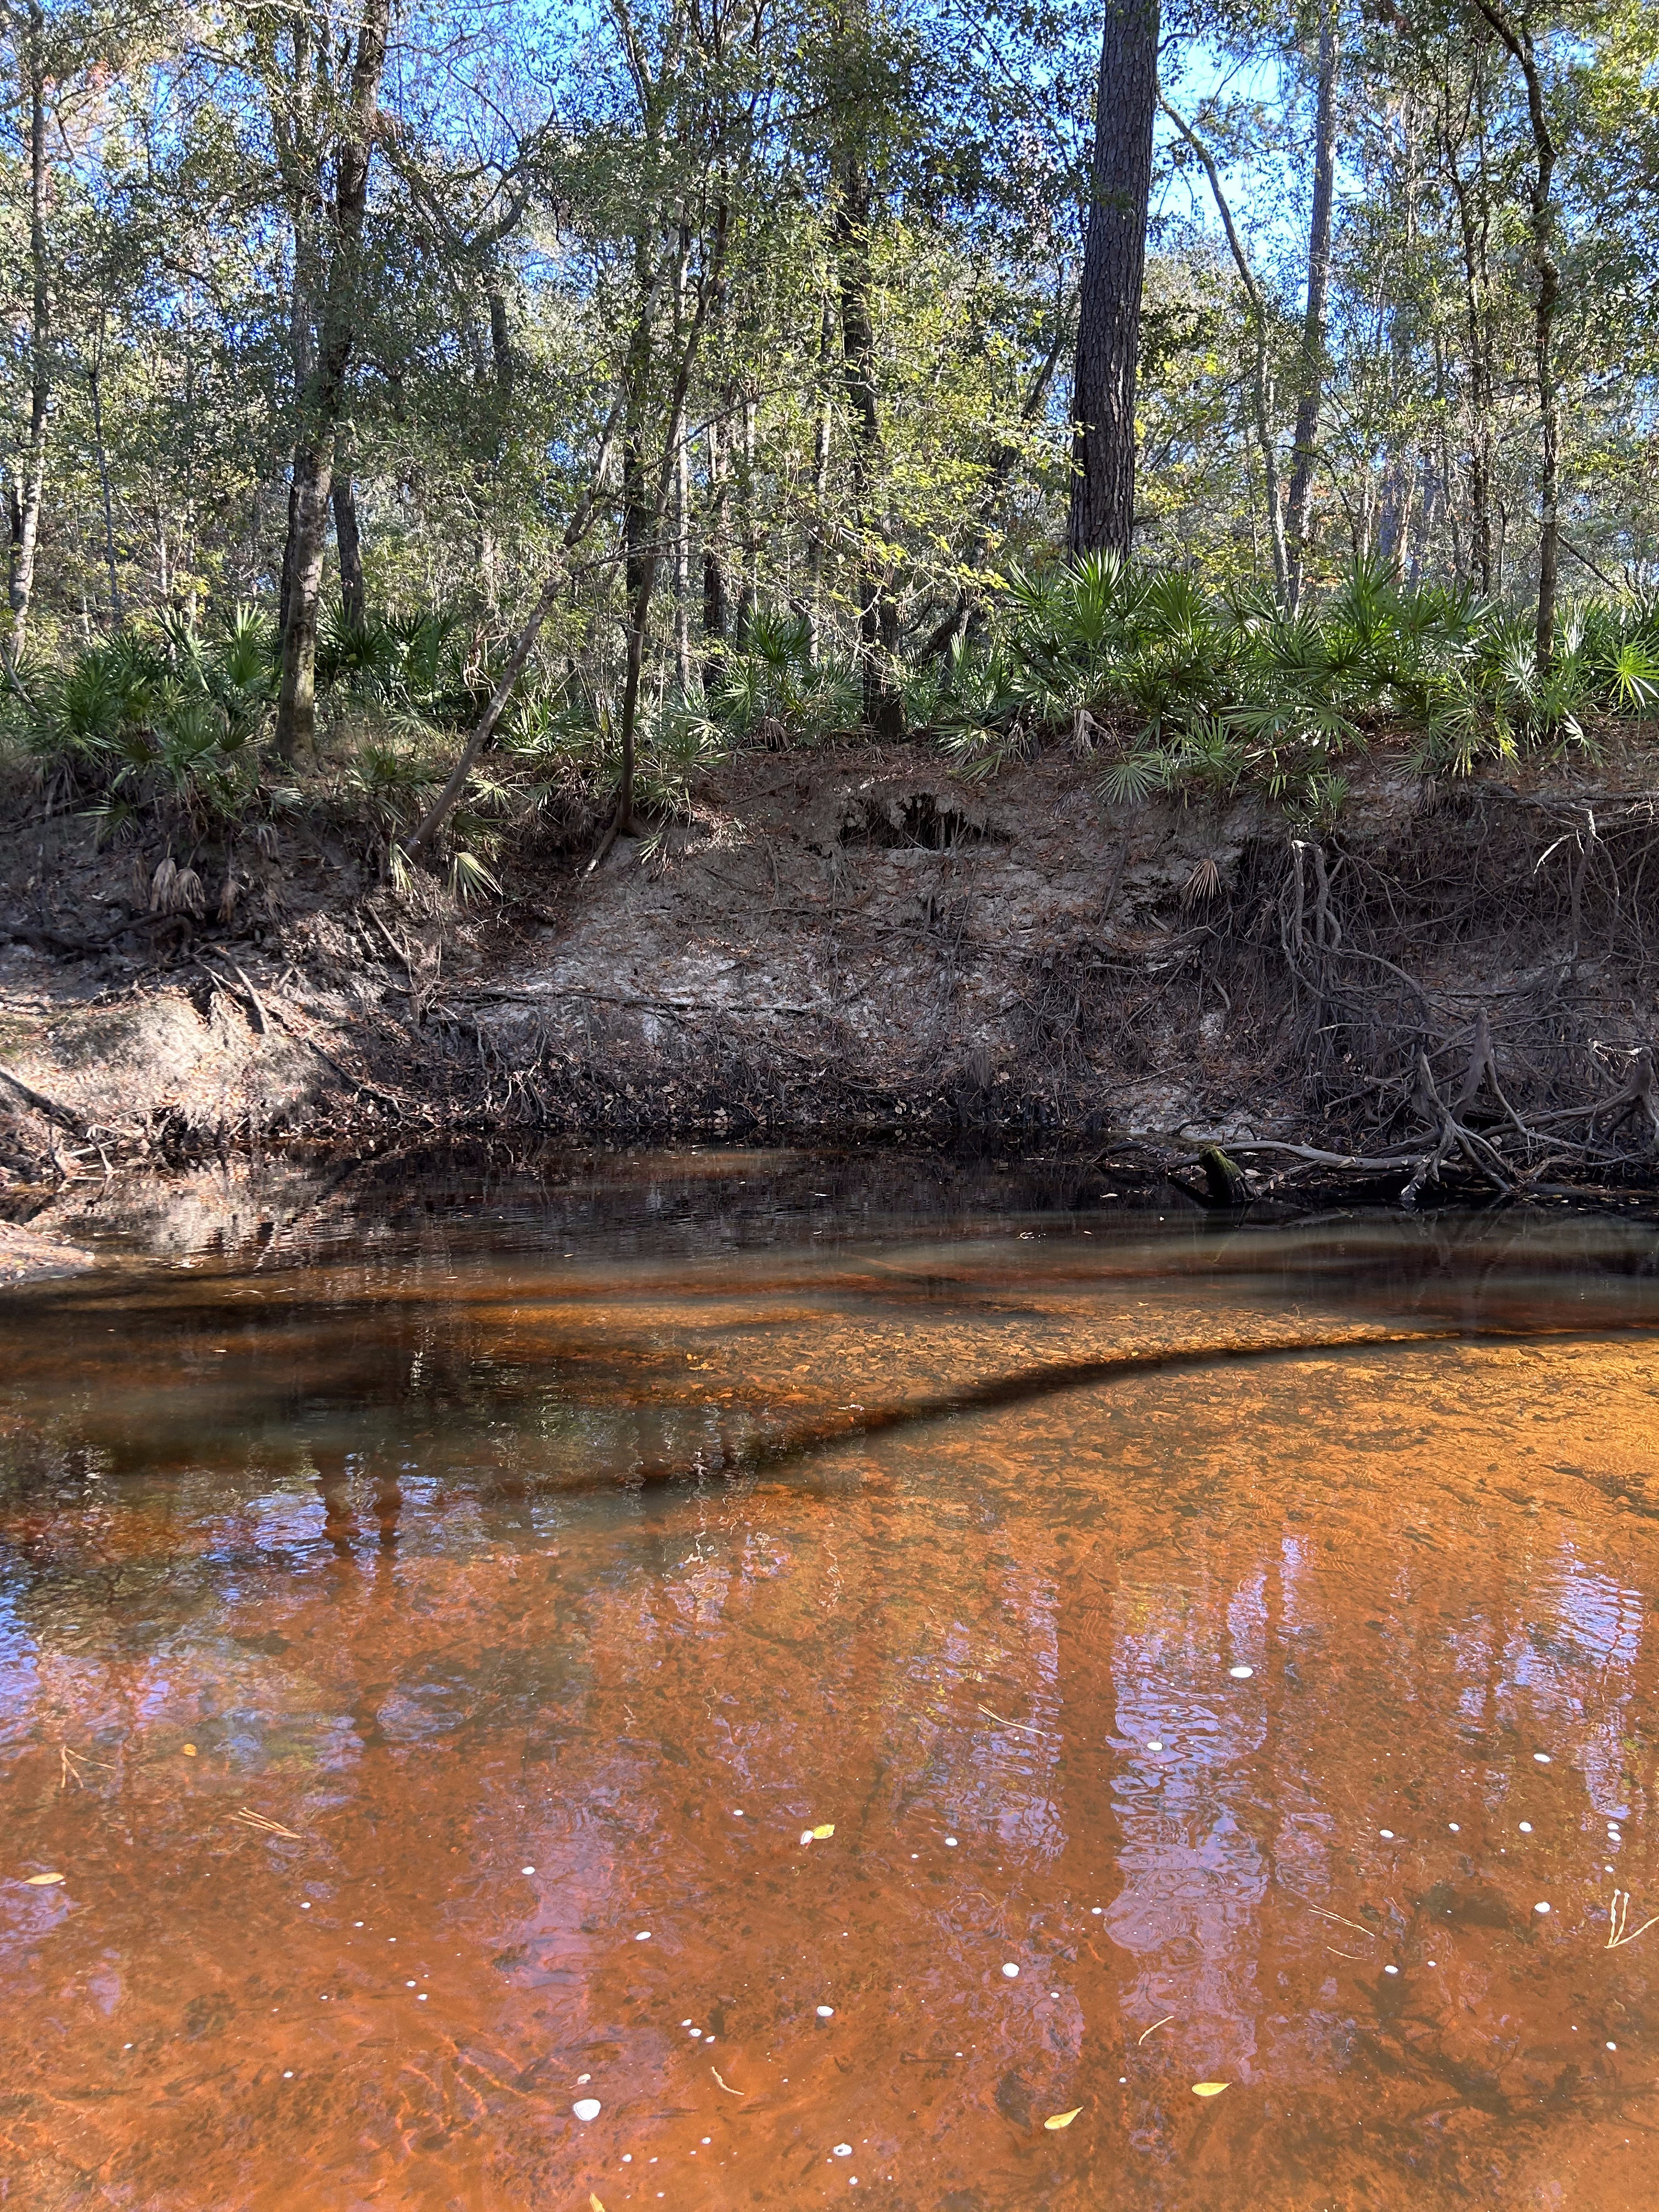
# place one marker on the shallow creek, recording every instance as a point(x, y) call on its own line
point(836, 1686)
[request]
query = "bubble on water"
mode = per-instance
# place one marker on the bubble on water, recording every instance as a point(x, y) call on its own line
point(644, 1936)
point(1526, 1827)
point(305, 1905)
point(356, 1923)
point(587, 2108)
point(696, 2035)
point(1097, 1909)
point(526, 1869)
point(950, 1843)
point(1153, 1744)
point(1613, 2046)
point(826, 2012)
point(843, 2150)
point(1542, 1758)
point(288, 2074)
point(737, 1812)
point(1453, 1826)
point(685, 2023)
point(422, 1998)
point(582, 2080)
point(409, 1985)
point(1241, 1673)
point(1386, 1834)
point(1541, 1907)
point(1011, 1971)
point(708, 2139)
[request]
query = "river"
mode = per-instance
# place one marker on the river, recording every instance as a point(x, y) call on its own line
point(732, 1679)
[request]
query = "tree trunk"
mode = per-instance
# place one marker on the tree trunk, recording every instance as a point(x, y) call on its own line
point(815, 536)
point(1313, 323)
point(321, 403)
point(501, 340)
point(643, 520)
point(349, 543)
point(682, 568)
point(883, 708)
point(1473, 224)
point(1114, 260)
point(94, 381)
point(680, 580)
point(27, 527)
point(748, 526)
point(1518, 42)
point(1261, 381)
point(307, 539)
point(715, 600)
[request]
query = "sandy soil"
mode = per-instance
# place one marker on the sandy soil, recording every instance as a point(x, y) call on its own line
point(852, 942)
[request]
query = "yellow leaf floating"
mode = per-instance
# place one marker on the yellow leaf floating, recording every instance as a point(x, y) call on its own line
point(42, 1880)
point(823, 1835)
point(593, 2203)
point(1208, 2089)
point(1062, 2119)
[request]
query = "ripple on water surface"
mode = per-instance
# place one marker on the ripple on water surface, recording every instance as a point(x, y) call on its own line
point(839, 1704)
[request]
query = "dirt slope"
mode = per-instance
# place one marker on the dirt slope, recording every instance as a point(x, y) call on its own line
point(850, 942)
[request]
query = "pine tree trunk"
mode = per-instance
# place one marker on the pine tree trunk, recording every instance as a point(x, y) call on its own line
point(1313, 325)
point(1114, 260)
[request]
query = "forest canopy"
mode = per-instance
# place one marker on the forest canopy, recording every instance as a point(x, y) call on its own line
point(744, 341)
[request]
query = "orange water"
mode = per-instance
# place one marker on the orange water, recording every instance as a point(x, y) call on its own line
point(544, 1603)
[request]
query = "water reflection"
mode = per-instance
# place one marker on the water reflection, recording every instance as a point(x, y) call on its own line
point(415, 1767)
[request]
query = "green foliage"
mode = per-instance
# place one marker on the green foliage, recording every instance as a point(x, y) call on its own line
point(1226, 694)
point(164, 721)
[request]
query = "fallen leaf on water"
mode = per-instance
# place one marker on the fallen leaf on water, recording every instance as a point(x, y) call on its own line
point(42, 1880)
point(823, 1835)
point(593, 2203)
point(1208, 2089)
point(1062, 2119)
